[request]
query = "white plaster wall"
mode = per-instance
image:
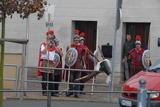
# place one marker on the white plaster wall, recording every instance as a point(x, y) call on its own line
point(145, 11)
point(102, 11)
point(66, 11)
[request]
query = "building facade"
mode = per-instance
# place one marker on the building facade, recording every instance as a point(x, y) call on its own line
point(97, 19)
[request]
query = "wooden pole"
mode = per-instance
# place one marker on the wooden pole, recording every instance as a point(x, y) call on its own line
point(2, 56)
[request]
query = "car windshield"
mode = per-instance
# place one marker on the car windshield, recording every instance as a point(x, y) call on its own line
point(155, 67)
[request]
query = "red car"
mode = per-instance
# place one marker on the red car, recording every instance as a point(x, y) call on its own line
point(152, 78)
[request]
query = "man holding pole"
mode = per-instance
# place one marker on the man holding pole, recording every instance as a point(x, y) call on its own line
point(58, 73)
point(79, 64)
point(46, 57)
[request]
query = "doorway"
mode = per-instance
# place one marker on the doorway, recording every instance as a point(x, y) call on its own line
point(134, 29)
point(141, 29)
point(90, 29)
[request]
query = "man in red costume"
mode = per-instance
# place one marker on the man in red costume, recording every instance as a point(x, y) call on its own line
point(88, 53)
point(135, 56)
point(88, 57)
point(79, 64)
point(57, 73)
point(46, 56)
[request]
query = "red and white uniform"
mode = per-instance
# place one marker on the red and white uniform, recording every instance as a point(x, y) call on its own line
point(135, 56)
point(49, 55)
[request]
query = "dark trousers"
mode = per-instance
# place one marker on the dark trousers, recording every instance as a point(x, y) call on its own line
point(126, 70)
point(74, 87)
point(135, 69)
point(47, 77)
point(56, 78)
point(82, 86)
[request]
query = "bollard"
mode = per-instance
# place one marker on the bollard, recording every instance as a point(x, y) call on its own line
point(142, 95)
point(48, 99)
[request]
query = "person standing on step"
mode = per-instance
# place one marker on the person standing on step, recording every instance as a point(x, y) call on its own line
point(128, 45)
point(79, 64)
point(46, 57)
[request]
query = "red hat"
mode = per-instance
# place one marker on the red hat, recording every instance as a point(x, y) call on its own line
point(138, 37)
point(50, 32)
point(76, 31)
point(82, 34)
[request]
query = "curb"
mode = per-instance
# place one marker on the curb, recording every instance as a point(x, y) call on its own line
point(60, 99)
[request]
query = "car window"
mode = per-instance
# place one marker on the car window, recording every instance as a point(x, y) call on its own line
point(155, 66)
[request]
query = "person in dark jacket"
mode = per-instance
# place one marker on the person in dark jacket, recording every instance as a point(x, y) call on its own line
point(128, 45)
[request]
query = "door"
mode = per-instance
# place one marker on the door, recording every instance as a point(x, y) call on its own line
point(90, 29)
point(139, 29)
point(134, 29)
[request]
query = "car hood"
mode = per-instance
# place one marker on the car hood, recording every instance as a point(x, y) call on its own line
point(152, 81)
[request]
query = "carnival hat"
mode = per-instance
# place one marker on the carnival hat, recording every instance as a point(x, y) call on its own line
point(138, 37)
point(76, 31)
point(82, 38)
point(50, 32)
point(138, 42)
point(76, 36)
point(82, 34)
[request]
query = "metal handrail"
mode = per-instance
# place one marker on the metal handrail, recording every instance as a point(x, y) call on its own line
point(142, 93)
point(14, 65)
point(67, 69)
point(134, 92)
point(38, 81)
point(16, 79)
point(63, 69)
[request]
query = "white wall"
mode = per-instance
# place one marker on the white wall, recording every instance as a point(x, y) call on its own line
point(145, 11)
point(102, 11)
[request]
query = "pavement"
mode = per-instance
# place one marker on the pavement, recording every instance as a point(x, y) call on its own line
point(43, 103)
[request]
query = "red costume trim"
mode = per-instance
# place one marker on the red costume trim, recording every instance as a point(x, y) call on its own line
point(39, 73)
point(39, 59)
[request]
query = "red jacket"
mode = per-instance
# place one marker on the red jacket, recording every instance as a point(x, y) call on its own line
point(135, 57)
point(39, 73)
point(89, 64)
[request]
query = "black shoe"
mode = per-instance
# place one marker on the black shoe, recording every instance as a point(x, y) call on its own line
point(44, 93)
point(83, 93)
point(76, 96)
point(54, 95)
point(57, 93)
point(68, 94)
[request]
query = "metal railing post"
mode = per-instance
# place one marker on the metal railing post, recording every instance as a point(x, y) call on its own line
point(142, 95)
point(49, 98)
point(17, 80)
